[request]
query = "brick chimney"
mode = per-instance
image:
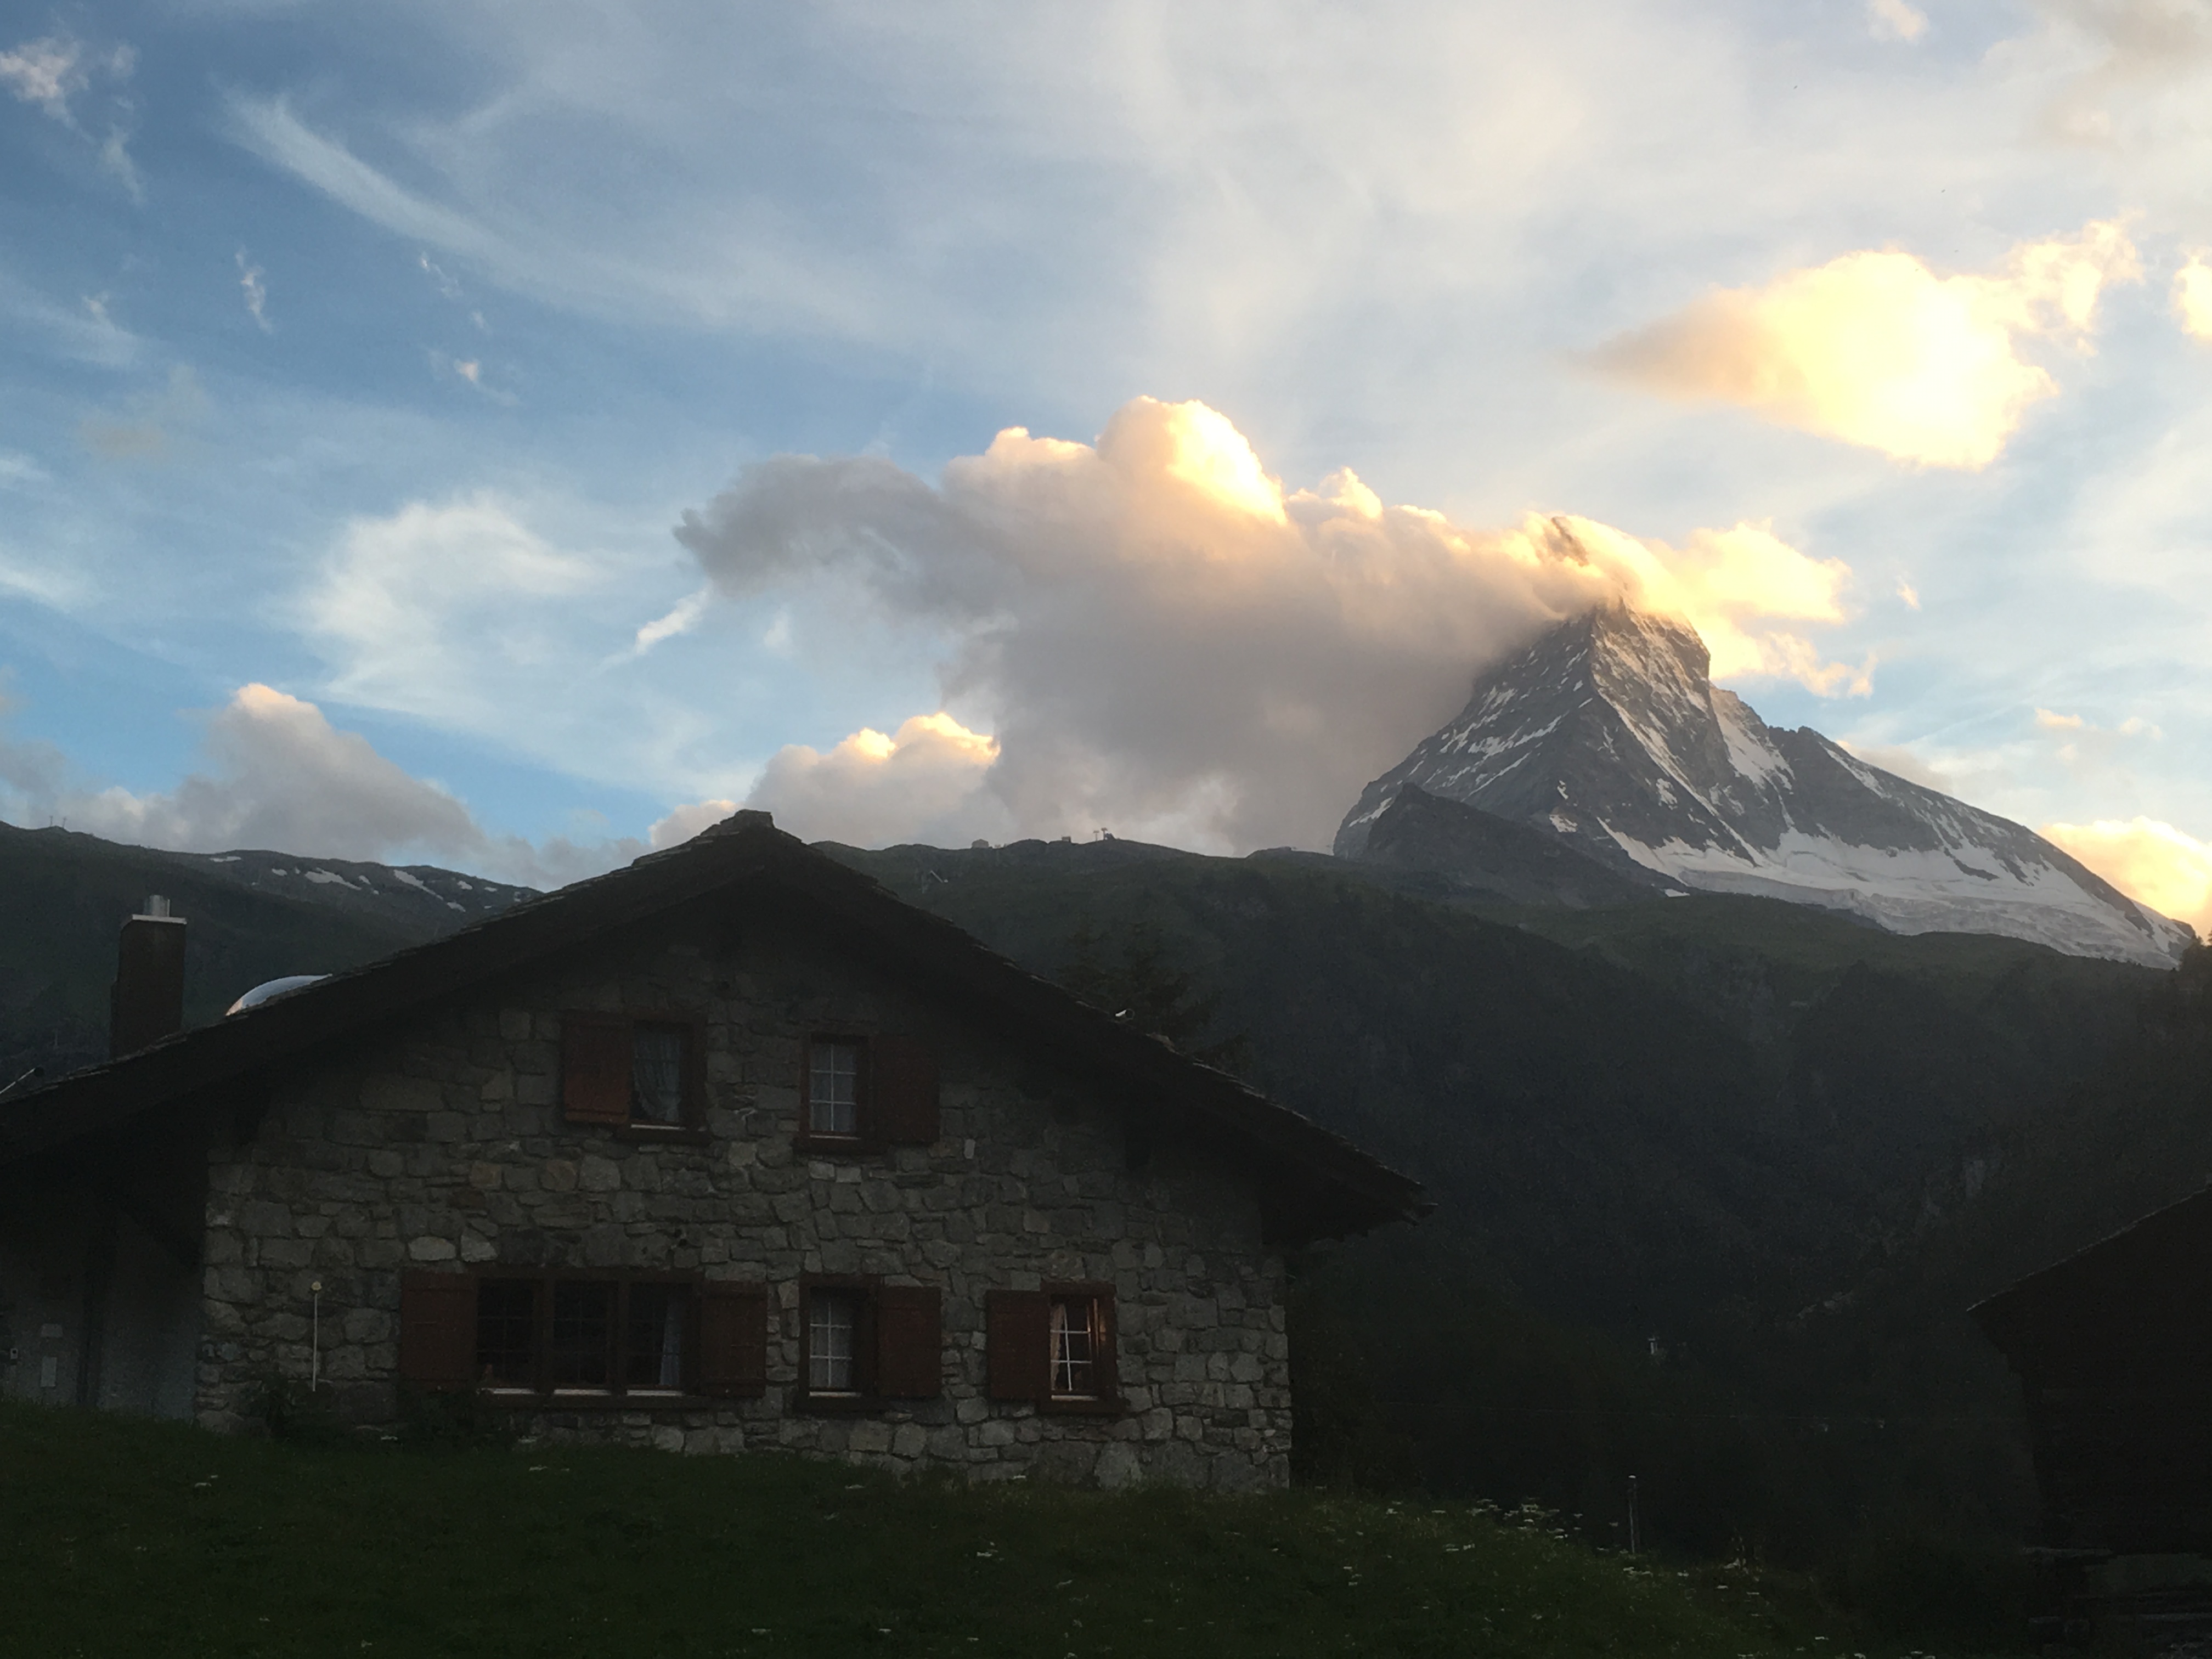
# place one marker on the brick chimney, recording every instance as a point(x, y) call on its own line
point(147, 1001)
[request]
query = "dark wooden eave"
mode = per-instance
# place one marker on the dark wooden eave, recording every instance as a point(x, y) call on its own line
point(1313, 1183)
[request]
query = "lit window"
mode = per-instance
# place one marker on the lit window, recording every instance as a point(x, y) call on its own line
point(1077, 1342)
point(657, 1074)
point(833, 1322)
point(833, 1088)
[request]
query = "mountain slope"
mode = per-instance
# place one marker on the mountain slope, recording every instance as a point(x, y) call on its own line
point(1609, 733)
point(254, 916)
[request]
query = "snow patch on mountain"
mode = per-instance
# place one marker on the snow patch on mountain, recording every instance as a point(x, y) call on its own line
point(1608, 732)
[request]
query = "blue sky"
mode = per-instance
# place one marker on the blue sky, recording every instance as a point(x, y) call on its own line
point(373, 357)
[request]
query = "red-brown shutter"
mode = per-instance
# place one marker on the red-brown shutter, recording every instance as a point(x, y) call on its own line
point(733, 1338)
point(909, 1342)
point(695, 1073)
point(903, 1091)
point(1109, 1371)
point(1017, 1344)
point(437, 1330)
point(595, 1068)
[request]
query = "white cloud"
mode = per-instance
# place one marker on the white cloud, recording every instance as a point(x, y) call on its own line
point(1875, 349)
point(681, 620)
point(1164, 641)
point(923, 782)
point(1896, 20)
point(406, 604)
point(281, 777)
point(47, 72)
point(255, 291)
point(2148, 860)
point(2192, 297)
point(51, 72)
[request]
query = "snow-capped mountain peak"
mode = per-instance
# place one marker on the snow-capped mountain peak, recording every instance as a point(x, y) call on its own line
point(1608, 732)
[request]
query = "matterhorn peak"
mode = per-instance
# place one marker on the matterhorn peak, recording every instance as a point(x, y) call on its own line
point(1608, 732)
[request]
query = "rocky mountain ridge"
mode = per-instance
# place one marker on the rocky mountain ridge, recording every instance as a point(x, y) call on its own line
point(1608, 733)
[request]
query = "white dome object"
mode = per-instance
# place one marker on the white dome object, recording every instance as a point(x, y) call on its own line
point(271, 987)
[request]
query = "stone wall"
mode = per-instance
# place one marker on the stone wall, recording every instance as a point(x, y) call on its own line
point(442, 1142)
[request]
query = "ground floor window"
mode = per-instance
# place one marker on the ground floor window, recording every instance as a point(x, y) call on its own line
point(833, 1348)
point(1078, 1336)
point(594, 1335)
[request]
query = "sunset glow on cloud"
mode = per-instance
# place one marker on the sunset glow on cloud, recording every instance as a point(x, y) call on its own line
point(2149, 861)
point(1163, 640)
point(1875, 349)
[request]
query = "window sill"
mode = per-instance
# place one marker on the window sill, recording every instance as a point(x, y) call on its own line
point(838, 1404)
point(686, 1134)
point(1058, 1406)
point(564, 1400)
point(821, 1145)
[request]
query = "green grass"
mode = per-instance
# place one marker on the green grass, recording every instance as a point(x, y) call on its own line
point(121, 1537)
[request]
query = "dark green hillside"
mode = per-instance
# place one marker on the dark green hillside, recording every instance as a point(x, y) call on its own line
point(145, 1540)
point(63, 896)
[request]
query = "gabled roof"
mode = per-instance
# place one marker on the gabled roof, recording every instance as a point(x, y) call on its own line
point(2127, 1278)
point(1313, 1183)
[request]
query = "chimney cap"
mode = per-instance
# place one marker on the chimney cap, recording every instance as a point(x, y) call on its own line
point(157, 909)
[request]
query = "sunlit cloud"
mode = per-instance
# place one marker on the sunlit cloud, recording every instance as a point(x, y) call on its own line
point(1896, 20)
point(1159, 636)
point(1876, 350)
point(918, 783)
point(2192, 297)
point(2149, 861)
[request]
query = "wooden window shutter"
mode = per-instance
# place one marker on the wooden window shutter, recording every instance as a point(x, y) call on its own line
point(437, 1330)
point(1109, 1371)
point(733, 1338)
point(909, 1342)
point(1017, 1344)
point(595, 1068)
point(903, 1091)
point(695, 1073)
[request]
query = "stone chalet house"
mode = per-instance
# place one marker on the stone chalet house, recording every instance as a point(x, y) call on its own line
point(729, 1149)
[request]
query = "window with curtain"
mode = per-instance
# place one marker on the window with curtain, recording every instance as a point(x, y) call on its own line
point(657, 1054)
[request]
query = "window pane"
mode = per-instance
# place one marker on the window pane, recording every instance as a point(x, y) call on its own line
point(652, 1349)
point(833, 1089)
point(656, 1089)
point(832, 1321)
point(1074, 1346)
point(507, 1332)
point(582, 1333)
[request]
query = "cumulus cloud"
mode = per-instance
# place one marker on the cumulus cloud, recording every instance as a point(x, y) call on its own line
point(922, 782)
point(280, 776)
point(1160, 638)
point(2192, 297)
point(1875, 349)
point(2148, 860)
point(1896, 20)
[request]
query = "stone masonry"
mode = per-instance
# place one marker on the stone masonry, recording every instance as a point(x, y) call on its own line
point(443, 1141)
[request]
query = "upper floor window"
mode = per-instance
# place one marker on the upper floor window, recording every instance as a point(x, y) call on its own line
point(858, 1093)
point(833, 1087)
point(617, 1068)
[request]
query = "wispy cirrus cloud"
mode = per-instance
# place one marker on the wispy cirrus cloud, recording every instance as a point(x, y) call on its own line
point(54, 72)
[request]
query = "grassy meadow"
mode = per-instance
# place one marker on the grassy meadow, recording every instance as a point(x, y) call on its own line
point(121, 1537)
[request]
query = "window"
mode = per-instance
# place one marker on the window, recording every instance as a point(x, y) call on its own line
point(833, 1322)
point(608, 1337)
point(865, 1092)
point(569, 1334)
point(1053, 1347)
point(864, 1341)
point(656, 1073)
point(833, 1087)
point(1078, 1332)
point(619, 1069)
